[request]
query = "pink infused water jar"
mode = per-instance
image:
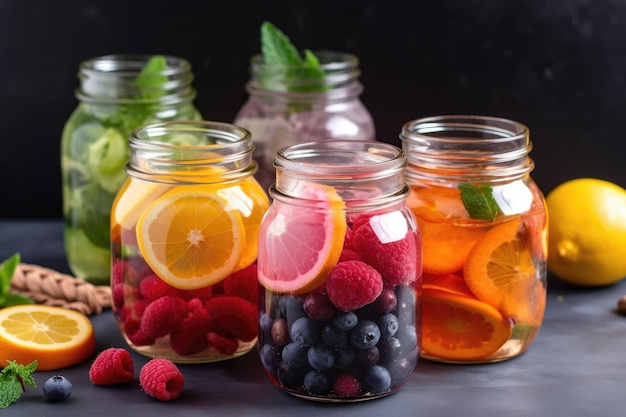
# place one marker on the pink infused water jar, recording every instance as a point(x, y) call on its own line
point(339, 263)
point(286, 106)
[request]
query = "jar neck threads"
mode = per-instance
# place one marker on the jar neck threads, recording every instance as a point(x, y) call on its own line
point(113, 78)
point(364, 173)
point(295, 84)
point(467, 148)
point(191, 152)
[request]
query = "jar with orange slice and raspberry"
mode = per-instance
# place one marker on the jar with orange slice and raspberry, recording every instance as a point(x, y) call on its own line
point(340, 270)
point(484, 232)
point(184, 231)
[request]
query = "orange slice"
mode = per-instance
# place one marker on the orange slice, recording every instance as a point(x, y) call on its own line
point(447, 282)
point(191, 238)
point(56, 337)
point(460, 328)
point(133, 199)
point(251, 201)
point(300, 244)
point(500, 270)
point(436, 204)
point(446, 246)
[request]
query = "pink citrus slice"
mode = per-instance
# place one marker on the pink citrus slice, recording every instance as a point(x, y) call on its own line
point(300, 243)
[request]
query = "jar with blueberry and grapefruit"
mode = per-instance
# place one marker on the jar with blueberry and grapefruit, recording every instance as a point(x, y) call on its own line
point(184, 230)
point(484, 231)
point(339, 264)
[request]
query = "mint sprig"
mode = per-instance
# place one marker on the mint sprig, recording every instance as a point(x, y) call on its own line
point(479, 202)
point(7, 269)
point(14, 379)
point(151, 79)
point(280, 53)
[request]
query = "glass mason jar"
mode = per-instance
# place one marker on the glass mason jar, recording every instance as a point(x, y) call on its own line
point(184, 231)
point(484, 229)
point(286, 107)
point(340, 271)
point(113, 100)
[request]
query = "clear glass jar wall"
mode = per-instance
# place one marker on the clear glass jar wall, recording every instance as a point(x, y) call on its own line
point(184, 231)
point(113, 99)
point(286, 107)
point(340, 270)
point(484, 229)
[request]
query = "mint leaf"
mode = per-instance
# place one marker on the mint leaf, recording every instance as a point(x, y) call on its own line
point(278, 52)
point(151, 78)
point(13, 381)
point(479, 202)
point(7, 268)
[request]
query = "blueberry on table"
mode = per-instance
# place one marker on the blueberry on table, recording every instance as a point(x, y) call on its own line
point(57, 388)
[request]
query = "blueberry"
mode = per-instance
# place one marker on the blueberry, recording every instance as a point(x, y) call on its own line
point(368, 357)
point(408, 336)
point(346, 321)
point(295, 355)
point(334, 337)
point(290, 377)
point(269, 358)
point(388, 324)
point(265, 325)
point(57, 388)
point(405, 310)
point(345, 358)
point(390, 350)
point(317, 383)
point(365, 335)
point(376, 379)
point(321, 358)
point(291, 308)
point(305, 331)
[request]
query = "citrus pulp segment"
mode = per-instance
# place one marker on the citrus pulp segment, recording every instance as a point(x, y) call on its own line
point(190, 238)
point(499, 268)
point(56, 337)
point(302, 242)
point(456, 327)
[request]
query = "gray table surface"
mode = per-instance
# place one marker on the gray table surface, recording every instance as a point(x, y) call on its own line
point(575, 367)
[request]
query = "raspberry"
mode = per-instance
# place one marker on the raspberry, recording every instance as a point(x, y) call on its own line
point(353, 284)
point(152, 287)
point(346, 386)
point(163, 315)
point(243, 284)
point(132, 329)
point(161, 379)
point(190, 336)
point(232, 317)
point(221, 344)
point(112, 366)
point(396, 261)
point(349, 255)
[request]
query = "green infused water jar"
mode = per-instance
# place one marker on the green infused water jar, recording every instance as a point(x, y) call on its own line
point(117, 94)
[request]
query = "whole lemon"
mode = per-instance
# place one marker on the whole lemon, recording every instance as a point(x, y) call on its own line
point(587, 232)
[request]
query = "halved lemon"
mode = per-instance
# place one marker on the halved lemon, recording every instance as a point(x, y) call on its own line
point(190, 237)
point(54, 336)
point(300, 243)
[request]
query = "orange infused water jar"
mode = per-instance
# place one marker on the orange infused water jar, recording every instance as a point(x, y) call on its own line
point(484, 231)
point(339, 265)
point(184, 231)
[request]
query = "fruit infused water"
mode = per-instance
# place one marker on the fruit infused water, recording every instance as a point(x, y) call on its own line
point(484, 231)
point(184, 231)
point(339, 265)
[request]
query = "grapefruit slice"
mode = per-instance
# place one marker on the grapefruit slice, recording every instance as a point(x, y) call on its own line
point(300, 243)
point(191, 238)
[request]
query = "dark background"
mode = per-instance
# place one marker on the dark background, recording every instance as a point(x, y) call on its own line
point(557, 66)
